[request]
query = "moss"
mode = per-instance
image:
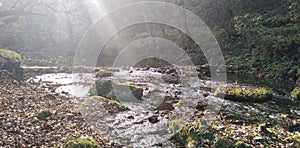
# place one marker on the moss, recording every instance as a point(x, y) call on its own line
point(224, 143)
point(295, 94)
point(75, 112)
point(240, 144)
point(43, 114)
point(34, 120)
point(188, 136)
point(10, 54)
point(246, 94)
point(82, 142)
point(131, 83)
point(192, 73)
point(109, 102)
point(175, 126)
point(118, 104)
point(49, 96)
point(102, 72)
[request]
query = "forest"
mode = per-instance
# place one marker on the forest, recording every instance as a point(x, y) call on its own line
point(155, 73)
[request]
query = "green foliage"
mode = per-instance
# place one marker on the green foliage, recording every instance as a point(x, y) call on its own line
point(247, 94)
point(82, 142)
point(10, 54)
point(266, 44)
point(43, 114)
point(296, 93)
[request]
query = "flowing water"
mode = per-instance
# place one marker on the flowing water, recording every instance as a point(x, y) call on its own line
point(134, 128)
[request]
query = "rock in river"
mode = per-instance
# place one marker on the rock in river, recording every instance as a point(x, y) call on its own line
point(106, 88)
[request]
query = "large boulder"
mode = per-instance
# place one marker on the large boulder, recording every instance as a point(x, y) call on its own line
point(108, 89)
point(172, 78)
point(11, 61)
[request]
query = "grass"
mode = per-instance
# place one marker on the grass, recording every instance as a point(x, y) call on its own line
point(10, 54)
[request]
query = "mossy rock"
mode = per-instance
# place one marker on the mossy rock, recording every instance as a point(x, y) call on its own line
point(101, 88)
point(49, 96)
point(188, 136)
point(244, 94)
point(82, 142)
point(103, 72)
point(105, 89)
point(295, 94)
point(192, 74)
point(167, 104)
point(109, 104)
point(224, 143)
point(11, 62)
point(43, 114)
point(10, 55)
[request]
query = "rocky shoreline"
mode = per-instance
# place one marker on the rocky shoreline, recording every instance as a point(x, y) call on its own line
point(20, 127)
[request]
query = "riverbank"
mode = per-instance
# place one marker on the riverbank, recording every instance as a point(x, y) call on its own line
point(19, 112)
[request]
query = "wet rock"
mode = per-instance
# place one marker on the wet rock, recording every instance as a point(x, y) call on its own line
point(103, 73)
point(172, 79)
point(153, 119)
point(205, 94)
point(11, 62)
point(130, 117)
point(170, 71)
point(167, 104)
point(295, 128)
point(101, 88)
point(201, 105)
point(106, 88)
